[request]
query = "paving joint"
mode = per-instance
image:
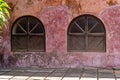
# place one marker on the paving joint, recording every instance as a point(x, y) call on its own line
point(49, 74)
point(65, 73)
point(114, 74)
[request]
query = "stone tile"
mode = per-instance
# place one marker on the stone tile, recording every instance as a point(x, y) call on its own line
point(75, 70)
point(55, 76)
point(5, 70)
point(23, 73)
point(61, 70)
point(20, 78)
point(17, 79)
point(90, 68)
point(4, 79)
point(72, 74)
point(33, 69)
point(2, 72)
point(40, 70)
point(36, 78)
point(48, 70)
point(59, 74)
point(106, 70)
point(39, 76)
point(105, 74)
point(5, 76)
point(89, 74)
point(18, 70)
point(117, 73)
point(107, 79)
point(118, 78)
point(88, 78)
point(70, 78)
point(11, 73)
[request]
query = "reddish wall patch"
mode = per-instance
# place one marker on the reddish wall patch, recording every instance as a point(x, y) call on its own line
point(56, 19)
point(111, 18)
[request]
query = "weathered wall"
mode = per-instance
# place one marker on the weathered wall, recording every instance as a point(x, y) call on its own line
point(56, 16)
point(111, 18)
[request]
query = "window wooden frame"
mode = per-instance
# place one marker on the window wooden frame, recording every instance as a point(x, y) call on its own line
point(86, 33)
point(28, 34)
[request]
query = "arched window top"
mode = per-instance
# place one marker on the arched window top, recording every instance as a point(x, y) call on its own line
point(86, 33)
point(27, 24)
point(88, 23)
point(28, 34)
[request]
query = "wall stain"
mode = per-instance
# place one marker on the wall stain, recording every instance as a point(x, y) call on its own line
point(29, 2)
point(112, 2)
point(13, 6)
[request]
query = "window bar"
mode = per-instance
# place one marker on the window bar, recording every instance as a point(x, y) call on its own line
point(21, 27)
point(77, 34)
point(96, 34)
point(93, 26)
point(40, 34)
point(28, 25)
point(79, 26)
point(34, 27)
point(100, 42)
point(86, 34)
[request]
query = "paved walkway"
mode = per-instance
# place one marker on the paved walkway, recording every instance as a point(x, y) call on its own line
point(59, 74)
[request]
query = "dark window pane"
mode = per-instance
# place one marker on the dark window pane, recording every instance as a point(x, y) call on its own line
point(23, 23)
point(36, 43)
point(32, 23)
point(98, 28)
point(96, 43)
point(75, 29)
point(91, 22)
point(81, 22)
point(17, 29)
point(19, 43)
point(76, 43)
point(38, 29)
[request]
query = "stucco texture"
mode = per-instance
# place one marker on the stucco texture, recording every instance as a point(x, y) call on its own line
point(111, 17)
point(56, 16)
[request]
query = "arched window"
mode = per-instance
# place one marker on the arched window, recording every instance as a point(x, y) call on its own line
point(28, 34)
point(86, 33)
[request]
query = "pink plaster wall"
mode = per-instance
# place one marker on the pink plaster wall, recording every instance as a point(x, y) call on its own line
point(56, 17)
point(56, 20)
point(111, 19)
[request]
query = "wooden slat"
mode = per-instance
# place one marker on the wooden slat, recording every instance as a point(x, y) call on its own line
point(86, 35)
point(34, 27)
point(76, 43)
point(36, 43)
point(93, 27)
point(96, 34)
point(18, 34)
point(77, 34)
point(96, 44)
point(79, 26)
point(21, 27)
point(37, 34)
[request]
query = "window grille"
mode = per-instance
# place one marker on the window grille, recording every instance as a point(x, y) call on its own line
point(28, 34)
point(86, 33)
